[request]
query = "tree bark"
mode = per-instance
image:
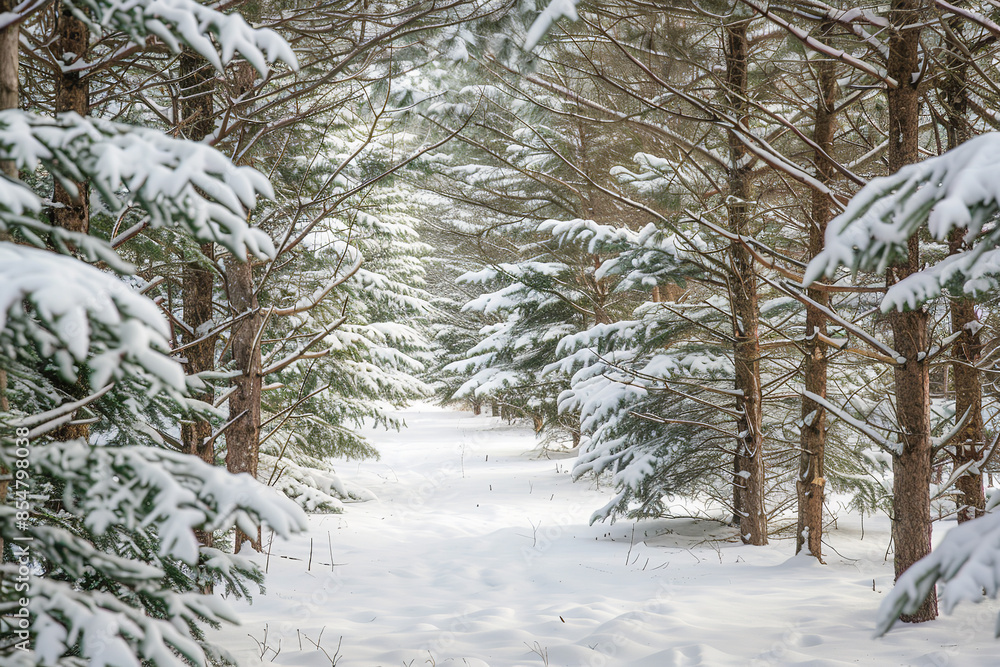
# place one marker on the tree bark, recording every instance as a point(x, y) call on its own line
point(749, 458)
point(198, 279)
point(911, 525)
point(971, 440)
point(9, 63)
point(810, 485)
point(72, 94)
point(9, 37)
point(243, 435)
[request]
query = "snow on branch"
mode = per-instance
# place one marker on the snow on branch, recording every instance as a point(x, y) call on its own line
point(188, 22)
point(857, 424)
point(113, 627)
point(967, 561)
point(818, 46)
point(135, 487)
point(588, 235)
point(957, 190)
point(555, 10)
point(970, 15)
point(77, 314)
point(105, 627)
point(178, 183)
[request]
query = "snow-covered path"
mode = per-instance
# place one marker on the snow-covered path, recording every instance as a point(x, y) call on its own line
point(478, 553)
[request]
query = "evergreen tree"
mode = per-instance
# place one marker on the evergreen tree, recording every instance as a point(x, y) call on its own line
point(103, 534)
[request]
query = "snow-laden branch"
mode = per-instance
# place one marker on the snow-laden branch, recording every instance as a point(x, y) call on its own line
point(164, 495)
point(937, 443)
point(45, 421)
point(970, 15)
point(302, 351)
point(77, 314)
point(178, 183)
point(555, 10)
point(854, 423)
point(215, 36)
point(313, 299)
point(886, 353)
point(958, 190)
point(966, 561)
point(135, 487)
point(820, 47)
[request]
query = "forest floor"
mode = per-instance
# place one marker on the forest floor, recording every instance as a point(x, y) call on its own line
point(478, 553)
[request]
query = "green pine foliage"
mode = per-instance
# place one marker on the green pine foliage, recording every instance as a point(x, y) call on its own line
point(99, 532)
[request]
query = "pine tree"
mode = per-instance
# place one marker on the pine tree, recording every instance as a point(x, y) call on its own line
point(104, 535)
point(911, 527)
point(955, 191)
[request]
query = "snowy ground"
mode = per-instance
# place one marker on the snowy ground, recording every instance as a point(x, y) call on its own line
point(478, 553)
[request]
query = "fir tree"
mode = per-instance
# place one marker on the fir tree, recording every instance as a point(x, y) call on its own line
point(99, 537)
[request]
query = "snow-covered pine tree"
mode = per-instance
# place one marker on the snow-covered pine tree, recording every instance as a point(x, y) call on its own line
point(323, 134)
point(518, 165)
point(650, 390)
point(556, 155)
point(101, 560)
point(696, 152)
point(369, 360)
point(343, 338)
point(534, 302)
point(955, 191)
point(727, 168)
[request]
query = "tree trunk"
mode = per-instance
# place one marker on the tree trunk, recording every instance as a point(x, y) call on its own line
point(9, 37)
point(72, 206)
point(810, 485)
point(971, 440)
point(911, 525)
point(243, 435)
point(749, 461)
point(198, 284)
point(9, 63)
point(72, 94)
point(196, 90)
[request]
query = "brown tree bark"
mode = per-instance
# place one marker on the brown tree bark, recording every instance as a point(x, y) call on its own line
point(9, 62)
point(243, 435)
point(72, 94)
point(911, 524)
point(749, 458)
point(971, 440)
point(9, 37)
point(197, 79)
point(810, 485)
